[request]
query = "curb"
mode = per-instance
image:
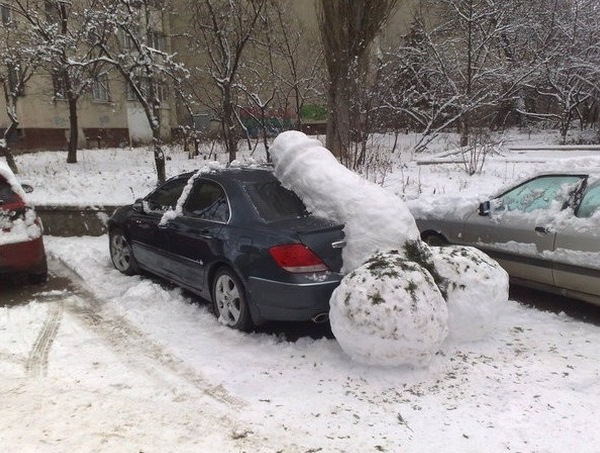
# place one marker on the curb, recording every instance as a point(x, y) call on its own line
point(75, 220)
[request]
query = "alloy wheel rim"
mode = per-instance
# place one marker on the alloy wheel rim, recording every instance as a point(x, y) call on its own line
point(227, 297)
point(120, 252)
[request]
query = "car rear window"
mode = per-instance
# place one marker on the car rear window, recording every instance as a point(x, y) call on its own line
point(7, 195)
point(274, 202)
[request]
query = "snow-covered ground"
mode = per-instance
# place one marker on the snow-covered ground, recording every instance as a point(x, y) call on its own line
point(128, 364)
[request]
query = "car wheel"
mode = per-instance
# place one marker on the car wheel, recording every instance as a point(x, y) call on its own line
point(41, 275)
point(121, 253)
point(229, 300)
point(435, 240)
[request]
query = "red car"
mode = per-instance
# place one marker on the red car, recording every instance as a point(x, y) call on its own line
point(21, 243)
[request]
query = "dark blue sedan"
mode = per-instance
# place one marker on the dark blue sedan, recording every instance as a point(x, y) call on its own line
point(239, 239)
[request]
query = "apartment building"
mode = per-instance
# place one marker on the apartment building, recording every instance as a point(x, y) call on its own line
point(108, 112)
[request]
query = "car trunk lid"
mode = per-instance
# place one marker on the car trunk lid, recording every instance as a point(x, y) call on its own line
point(324, 237)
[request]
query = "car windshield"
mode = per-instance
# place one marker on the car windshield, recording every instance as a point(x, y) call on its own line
point(274, 202)
point(590, 202)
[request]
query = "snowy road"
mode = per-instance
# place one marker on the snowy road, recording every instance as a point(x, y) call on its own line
point(115, 363)
point(118, 378)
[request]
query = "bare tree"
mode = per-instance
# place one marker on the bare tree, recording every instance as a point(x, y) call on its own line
point(570, 49)
point(17, 66)
point(71, 52)
point(461, 60)
point(348, 28)
point(220, 34)
point(283, 74)
point(140, 54)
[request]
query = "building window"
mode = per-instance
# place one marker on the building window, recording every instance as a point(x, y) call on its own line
point(6, 14)
point(129, 38)
point(161, 90)
point(130, 92)
point(59, 84)
point(156, 40)
point(53, 11)
point(100, 90)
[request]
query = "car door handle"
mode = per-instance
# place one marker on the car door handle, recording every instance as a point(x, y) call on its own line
point(167, 226)
point(542, 230)
point(206, 234)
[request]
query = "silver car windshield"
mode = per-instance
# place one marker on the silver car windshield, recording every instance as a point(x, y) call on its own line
point(590, 203)
point(541, 193)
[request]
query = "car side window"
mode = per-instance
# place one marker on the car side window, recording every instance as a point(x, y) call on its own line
point(7, 196)
point(166, 196)
point(207, 200)
point(590, 203)
point(540, 193)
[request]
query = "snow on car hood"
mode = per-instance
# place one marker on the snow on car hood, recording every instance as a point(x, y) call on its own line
point(20, 230)
point(444, 206)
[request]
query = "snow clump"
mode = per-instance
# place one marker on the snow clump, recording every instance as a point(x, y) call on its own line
point(375, 219)
point(476, 290)
point(389, 312)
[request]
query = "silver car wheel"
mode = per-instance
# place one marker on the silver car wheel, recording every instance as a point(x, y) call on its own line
point(120, 253)
point(227, 300)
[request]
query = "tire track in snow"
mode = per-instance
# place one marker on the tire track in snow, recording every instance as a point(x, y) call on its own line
point(139, 350)
point(36, 364)
point(129, 341)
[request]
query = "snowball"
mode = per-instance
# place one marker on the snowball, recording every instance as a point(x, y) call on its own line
point(474, 285)
point(375, 219)
point(389, 312)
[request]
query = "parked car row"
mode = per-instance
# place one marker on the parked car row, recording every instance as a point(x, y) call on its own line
point(236, 237)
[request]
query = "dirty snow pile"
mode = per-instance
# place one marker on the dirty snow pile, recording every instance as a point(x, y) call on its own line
point(389, 312)
point(401, 298)
point(474, 287)
point(20, 229)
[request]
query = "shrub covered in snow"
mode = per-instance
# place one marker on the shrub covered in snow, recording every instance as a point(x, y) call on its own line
point(389, 312)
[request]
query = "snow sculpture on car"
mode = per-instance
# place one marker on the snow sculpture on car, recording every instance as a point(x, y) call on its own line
point(400, 297)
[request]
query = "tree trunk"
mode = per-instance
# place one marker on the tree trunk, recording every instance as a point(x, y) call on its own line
point(159, 156)
point(10, 160)
point(464, 129)
point(338, 124)
point(229, 124)
point(74, 134)
point(5, 150)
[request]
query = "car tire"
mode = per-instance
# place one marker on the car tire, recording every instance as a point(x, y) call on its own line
point(121, 253)
point(41, 275)
point(435, 240)
point(230, 304)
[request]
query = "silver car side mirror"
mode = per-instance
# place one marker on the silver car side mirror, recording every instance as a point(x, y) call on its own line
point(484, 208)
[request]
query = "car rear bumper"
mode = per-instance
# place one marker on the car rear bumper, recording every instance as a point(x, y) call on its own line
point(23, 257)
point(301, 300)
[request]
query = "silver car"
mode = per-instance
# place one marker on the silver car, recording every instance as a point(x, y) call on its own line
point(544, 231)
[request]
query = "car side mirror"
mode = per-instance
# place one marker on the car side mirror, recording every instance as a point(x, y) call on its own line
point(138, 205)
point(28, 188)
point(484, 208)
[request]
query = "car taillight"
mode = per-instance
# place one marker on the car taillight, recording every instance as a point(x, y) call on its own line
point(297, 258)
